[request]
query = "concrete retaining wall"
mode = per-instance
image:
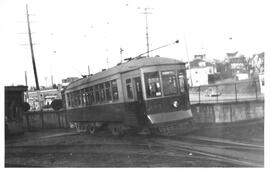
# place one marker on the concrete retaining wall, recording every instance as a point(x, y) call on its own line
point(227, 112)
point(202, 113)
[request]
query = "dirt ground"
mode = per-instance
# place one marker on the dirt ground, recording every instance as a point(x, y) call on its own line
point(67, 148)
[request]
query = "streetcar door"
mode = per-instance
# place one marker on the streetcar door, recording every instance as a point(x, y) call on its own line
point(140, 102)
point(138, 88)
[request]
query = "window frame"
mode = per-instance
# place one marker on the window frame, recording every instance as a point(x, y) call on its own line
point(97, 93)
point(102, 92)
point(147, 84)
point(184, 80)
point(108, 88)
point(114, 87)
point(176, 81)
point(128, 82)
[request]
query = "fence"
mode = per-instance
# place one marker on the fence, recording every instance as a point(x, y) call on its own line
point(45, 120)
point(245, 90)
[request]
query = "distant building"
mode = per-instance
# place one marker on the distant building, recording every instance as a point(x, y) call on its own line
point(14, 100)
point(44, 99)
point(256, 64)
point(68, 80)
point(199, 70)
point(238, 65)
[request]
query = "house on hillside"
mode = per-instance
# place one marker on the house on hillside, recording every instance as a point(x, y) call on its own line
point(199, 70)
point(237, 65)
point(256, 64)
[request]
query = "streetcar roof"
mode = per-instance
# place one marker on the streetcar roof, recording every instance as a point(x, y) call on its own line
point(125, 67)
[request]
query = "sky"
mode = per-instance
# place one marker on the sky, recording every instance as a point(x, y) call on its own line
point(70, 35)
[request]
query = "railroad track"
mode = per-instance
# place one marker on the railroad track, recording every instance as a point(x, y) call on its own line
point(241, 154)
point(155, 147)
point(155, 150)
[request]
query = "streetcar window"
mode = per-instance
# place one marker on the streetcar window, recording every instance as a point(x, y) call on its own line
point(152, 84)
point(181, 78)
point(71, 99)
point(68, 99)
point(96, 93)
point(91, 96)
point(87, 96)
point(169, 82)
point(83, 96)
point(78, 98)
point(129, 89)
point(114, 89)
point(108, 91)
point(102, 92)
point(74, 99)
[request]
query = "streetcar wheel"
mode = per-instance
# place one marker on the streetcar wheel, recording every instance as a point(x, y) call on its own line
point(77, 126)
point(116, 129)
point(92, 130)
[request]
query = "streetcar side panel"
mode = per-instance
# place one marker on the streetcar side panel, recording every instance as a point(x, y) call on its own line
point(101, 100)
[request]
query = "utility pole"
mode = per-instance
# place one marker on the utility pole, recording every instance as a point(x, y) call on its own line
point(146, 27)
point(88, 70)
point(52, 80)
point(33, 60)
point(107, 59)
point(121, 54)
point(191, 83)
point(26, 96)
point(31, 48)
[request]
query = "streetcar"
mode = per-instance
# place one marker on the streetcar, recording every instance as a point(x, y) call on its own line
point(142, 94)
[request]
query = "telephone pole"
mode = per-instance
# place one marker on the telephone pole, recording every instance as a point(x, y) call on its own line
point(26, 84)
point(146, 28)
point(31, 48)
point(33, 61)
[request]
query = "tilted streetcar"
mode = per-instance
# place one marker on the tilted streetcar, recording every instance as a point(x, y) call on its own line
point(141, 94)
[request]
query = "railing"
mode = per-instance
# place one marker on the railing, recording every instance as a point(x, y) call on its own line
point(244, 90)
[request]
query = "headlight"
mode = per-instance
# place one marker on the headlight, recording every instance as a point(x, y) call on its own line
point(175, 104)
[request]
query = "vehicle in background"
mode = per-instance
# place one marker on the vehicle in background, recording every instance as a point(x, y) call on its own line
point(212, 92)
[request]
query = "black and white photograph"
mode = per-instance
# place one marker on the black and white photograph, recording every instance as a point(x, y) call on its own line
point(133, 84)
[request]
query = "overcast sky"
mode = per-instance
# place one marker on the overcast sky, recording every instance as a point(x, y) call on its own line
point(72, 34)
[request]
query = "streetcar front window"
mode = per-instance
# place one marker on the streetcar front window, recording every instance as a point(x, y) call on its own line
point(181, 78)
point(152, 84)
point(169, 83)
